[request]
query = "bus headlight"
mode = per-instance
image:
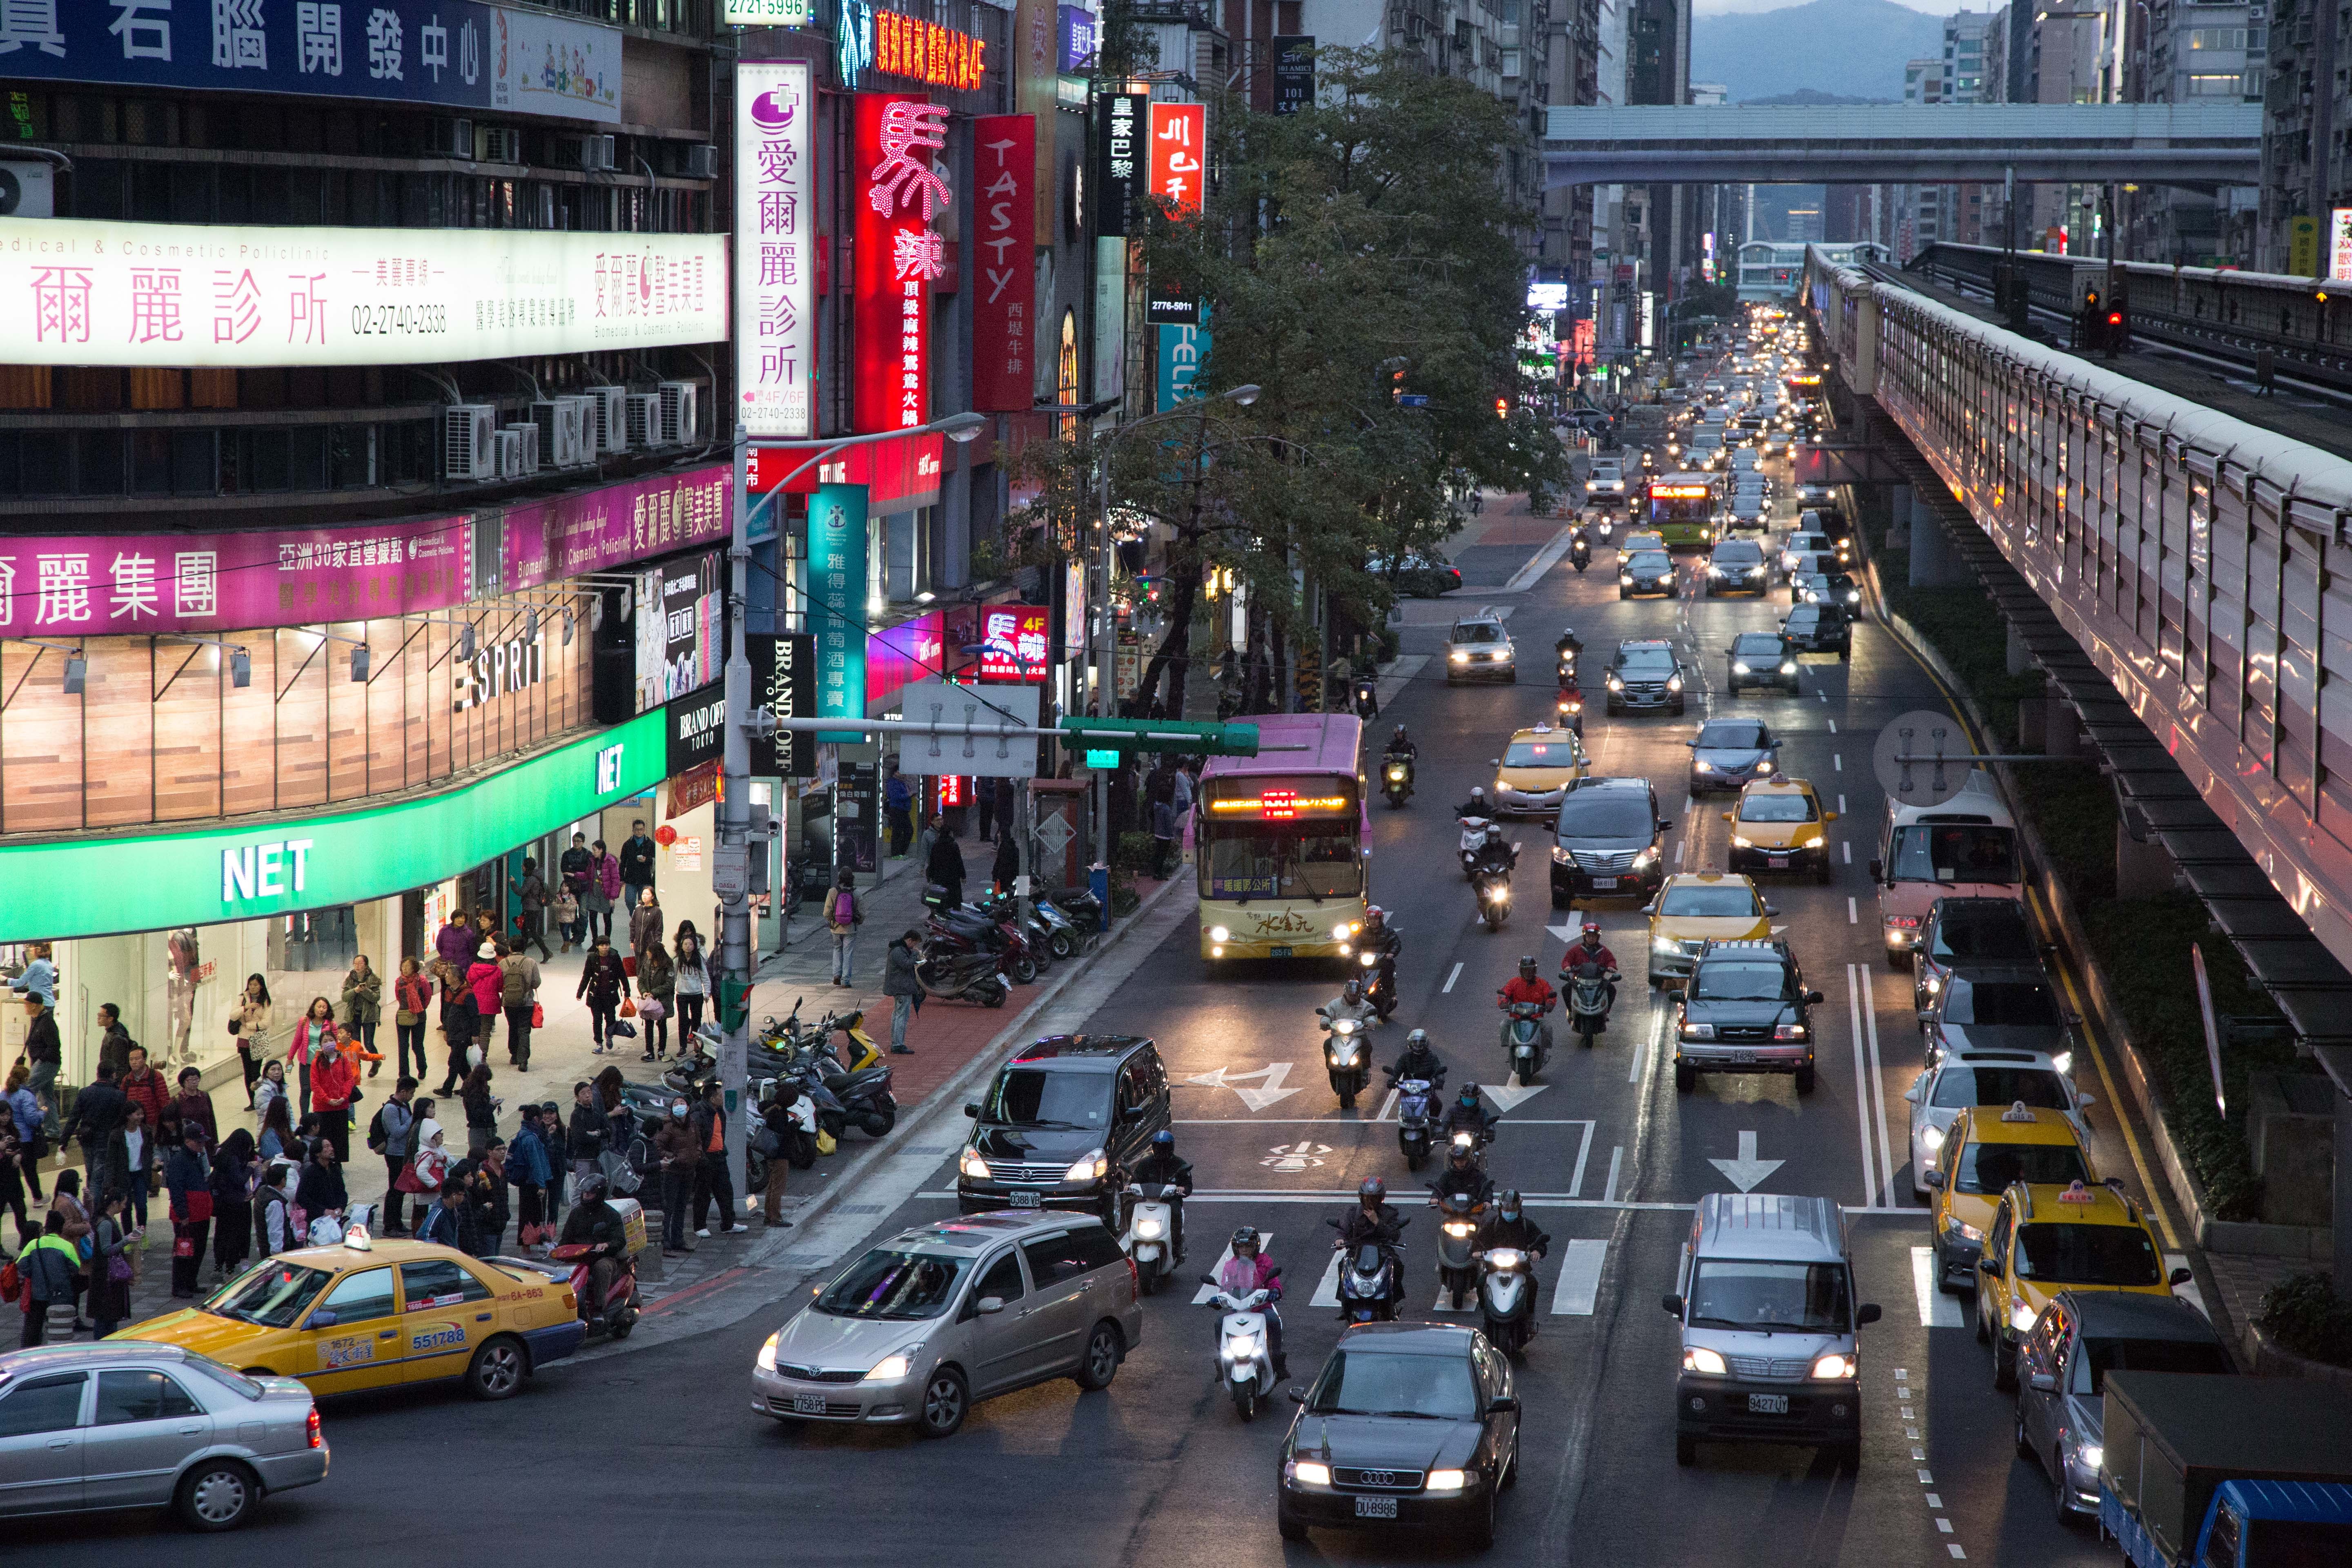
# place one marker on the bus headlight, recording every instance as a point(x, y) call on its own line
point(1219, 933)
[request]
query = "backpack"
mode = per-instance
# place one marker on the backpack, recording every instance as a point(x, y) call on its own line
point(514, 985)
point(375, 1134)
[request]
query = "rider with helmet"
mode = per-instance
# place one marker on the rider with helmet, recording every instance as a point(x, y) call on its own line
point(1400, 745)
point(1590, 949)
point(1478, 805)
point(1419, 1060)
point(1248, 1269)
point(1530, 988)
point(598, 1223)
point(1350, 1004)
point(1508, 1225)
point(1461, 1174)
point(1161, 1168)
point(1468, 1112)
point(1495, 853)
point(1382, 942)
point(1373, 1219)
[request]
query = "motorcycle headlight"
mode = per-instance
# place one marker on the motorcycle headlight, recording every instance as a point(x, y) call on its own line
point(1701, 1360)
point(1740, 669)
point(1089, 1168)
point(1460, 1228)
point(1149, 1229)
point(895, 1365)
point(1240, 1347)
point(1698, 1031)
point(972, 1165)
point(1343, 1025)
point(1505, 1257)
point(1498, 894)
point(1931, 1139)
point(1447, 1481)
point(1370, 960)
point(1219, 933)
point(2022, 1317)
point(768, 1353)
point(1396, 770)
point(1835, 1365)
point(1790, 668)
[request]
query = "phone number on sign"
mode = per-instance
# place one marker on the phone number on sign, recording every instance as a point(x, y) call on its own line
point(399, 321)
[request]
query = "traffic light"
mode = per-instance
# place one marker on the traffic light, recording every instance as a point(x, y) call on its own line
point(2088, 327)
point(1502, 408)
point(1147, 587)
point(2117, 336)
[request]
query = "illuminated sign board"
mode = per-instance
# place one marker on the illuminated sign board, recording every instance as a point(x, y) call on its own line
point(1179, 136)
point(766, 12)
point(1547, 296)
point(89, 292)
point(1680, 492)
point(899, 256)
point(1004, 240)
point(775, 259)
point(868, 39)
point(1012, 640)
point(1280, 797)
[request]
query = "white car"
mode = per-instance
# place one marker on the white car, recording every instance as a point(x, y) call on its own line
point(1965, 1078)
point(1606, 480)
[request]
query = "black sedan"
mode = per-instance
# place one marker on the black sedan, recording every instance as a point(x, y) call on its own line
point(1819, 628)
point(1730, 753)
point(1406, 1423)
point(1646, 572)
point(1832, 587)
point(1761, 658)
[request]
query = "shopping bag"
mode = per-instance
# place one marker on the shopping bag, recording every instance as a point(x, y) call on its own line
point(628, 1007)
point(538, 1015)
point(652, 1011)
point(826, 1143)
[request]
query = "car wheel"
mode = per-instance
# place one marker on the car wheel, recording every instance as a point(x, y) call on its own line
point(216, 1494)
point(498, 1369)
point(1482, 1529)
point(1101, 1362)
point(1622, 594)
point(1822, 873)
point(1804, 1081)
point(1684, 1079)
point(1849, 1454)
point(1287, 1527)
point(1560, 900)
point(1676, 709)
point(1846, 654)
point(2058, 1490)
point(945, 1400)
point(1686, 1450)
point(2004, 1364)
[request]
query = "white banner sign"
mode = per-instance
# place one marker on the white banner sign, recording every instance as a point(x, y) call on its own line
point(74, 291)
point(775, 249)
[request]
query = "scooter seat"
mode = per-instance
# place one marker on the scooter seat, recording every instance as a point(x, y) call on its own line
point(838, 1084)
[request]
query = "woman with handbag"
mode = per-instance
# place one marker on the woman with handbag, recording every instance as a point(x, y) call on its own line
point(363, 1005)
point(314, 1037)
point(693, 983)
point(188, 1177)
point(113, 1250)
point(603, 885)
point(232, 1184)
point(131, 1156)
point(657, 993)
point(250, 1025)
point(32, 1127)
point(842, 919)
point(412, 994)
point(430, 1165)
point(604, 985)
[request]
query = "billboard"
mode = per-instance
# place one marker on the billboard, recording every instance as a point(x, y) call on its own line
point(900, 474)
point(1180, 135)
point(1181, 349)
point(1005, 243)
point(836, 603)
point(899, 137)
point(549, 540)
point(681, 628)
point(776, 252)
point(82, 291)
point(1013, 644)
point(783, 680)
point(2339, 245)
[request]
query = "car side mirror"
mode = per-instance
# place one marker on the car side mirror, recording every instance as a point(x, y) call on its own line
point(1503, 1404)
point(1727, 816)
point(2086, 1100)
point(988, 1304)
point(1933, 1177)
point(971, 1109)
point(1298, 1396)
point(1673, 1304)
point(1877, 870)
point(321, 1318)
point(1866, 1314)
point(1989, 1264)
point(1829, 816)
point(2073, 1020)
point(1692, 743)
point(1666, 825)
point(2042, 1383)
point(1813, 998)
point(1493, 762)
point(1918, 1085)
point(2178, 1277)
point(1771, 910)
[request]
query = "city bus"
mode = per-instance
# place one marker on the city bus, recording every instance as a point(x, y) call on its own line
point(1281, 840)
point(1682, 508)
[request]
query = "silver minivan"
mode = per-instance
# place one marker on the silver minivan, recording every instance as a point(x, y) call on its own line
point(940, 1315)
point(1771, 1354)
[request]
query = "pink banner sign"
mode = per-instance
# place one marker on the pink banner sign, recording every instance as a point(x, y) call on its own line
point(619, 523)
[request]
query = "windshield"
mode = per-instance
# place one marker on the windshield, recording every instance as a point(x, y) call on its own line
point(1803, 618)
point(1650, 564)
point(2113, 1255)
point(888, 1283)
point(2142, 1355)
point(1956, 852)
point(1731, 981)
point(1990, 1168)
point(1744, 557)
point(1778, 808)
point(1646, 663)
point(2039, 1088)
point(1986, 939)
point(1758, 644)
point(2012, 1002)
point(1731, 735)
point(1381, 1383)
point(1709, 901)
point(1477, 631)
point(1707, 439)
point(1741, 1294)
point(1606, 816)
point(1282, 860)
point(1559, 753)
point(270, 1294)
point(1029, 1097)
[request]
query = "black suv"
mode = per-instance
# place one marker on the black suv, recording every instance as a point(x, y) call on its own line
point(1969, 931)
point(1608, 842)
point(1745, 1008)
point(1761, 658)
point(1737, 566)
point(1062, 1125)
point(1819, 628)
point(1645, 675)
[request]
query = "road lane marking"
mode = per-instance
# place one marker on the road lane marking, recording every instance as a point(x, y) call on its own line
point(1616, 1159)
point(1326, 1292)
point(1837, 761)
point(1580, 1279)
point(1877, 1090)
point(1845, 846)
point(1832, 726)
point(1451, 979)
point(1445, 1297)
point(1841, 805)
point(1388, 1106)
point(1576, 1180)
point(1680, 845)
point(1861, 1085)
point(1936, 1310)
point(1820, 693)
point(1852, 918)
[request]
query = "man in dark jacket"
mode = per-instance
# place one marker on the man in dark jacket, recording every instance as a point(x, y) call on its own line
point(44, 1052)
point(598, 1223)
point(899, 985)
point(49, 1265)
point(1508, 1225)
point(636, 866)
point(115, 1048)
point(711, 1181)
point(484, 1185)
point(450, 1222)
point(97, 1111)
point(1162, 1168)
point(591, 1128)
point(946, 865)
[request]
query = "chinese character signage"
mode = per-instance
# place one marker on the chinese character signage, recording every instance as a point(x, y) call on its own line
point(898, 474)
point(547, 541)
point(681, 628)
point(899, 190)
point(1004, 246)
point(783, 681)
point(1118, 149)
point(868, 39)
point(836, 603)
point(1181, 349)
point(1012, 643)
point(2339, 245)
point(462, 55)
point(1075, 31)
point(1294, 74)
point(775, 250)
point(85, 292)
point(1179, 138)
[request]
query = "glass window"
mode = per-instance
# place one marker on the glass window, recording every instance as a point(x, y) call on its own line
point(1990, 1168)
point(1055, 1260)
point(1376, 1383)
point(1974, 938)
point(1778, 808)
point(1282, 860)
point(1032, 1097)
point(42, 1405)
point(360, 1297)
point(1730, 980)
point(1647, 563)
point(1561, 752)
point(1956, 852)
point(1477, 631)
point(1710, 901)
point(1002, 1279)
point(2005, 1002)
point(134, 1396)
point(1606, 816)
point(1744, 1293)
point(893, 1284)
point(2111, 1255)
point(439, 1282)
point(1646, 663)
point(270, 1294)
point(2297, 1542)
point(228, 1377)
point(1732, 734)
point(2038, 1087)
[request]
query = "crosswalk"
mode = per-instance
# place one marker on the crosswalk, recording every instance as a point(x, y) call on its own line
point(1574, 1293)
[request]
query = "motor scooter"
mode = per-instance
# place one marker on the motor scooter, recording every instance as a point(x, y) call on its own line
point(1580, 550)
point(1368, 697)
point(1493, 888)
point(1506, 1297)
point(1150, 1239)
point(1369, 1279)
point(1415, 1096)
point(1244, 1366)
point(962, 974)
point(1457, 1269)
point(1344, 1050)
point(1588, 1001)
point(1396, 779)
point(1474, 837)
point(1378, 963)
point(1569, 710)
point(1526, 1040)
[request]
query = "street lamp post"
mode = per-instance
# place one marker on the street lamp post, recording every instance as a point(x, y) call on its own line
point(730, 864)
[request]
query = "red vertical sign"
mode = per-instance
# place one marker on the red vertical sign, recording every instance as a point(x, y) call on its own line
point(1004, 309)
point(898, 192)
point(1178, 131)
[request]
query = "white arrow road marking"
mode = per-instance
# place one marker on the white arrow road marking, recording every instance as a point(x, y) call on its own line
point(1451, 978)
point(1579, 1279)
point(2188, 1292)
point(1511, 1093)
point(1267, 1092)
point(1565, 933)
point(1746, 1170)
point(1326, 1292)
point(1936, 1310)
point(1265, 1246)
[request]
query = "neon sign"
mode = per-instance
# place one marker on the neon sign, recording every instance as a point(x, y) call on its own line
point(902, 46)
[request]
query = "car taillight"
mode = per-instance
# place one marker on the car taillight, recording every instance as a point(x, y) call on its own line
point(1134, 1285)
point(310, 1429)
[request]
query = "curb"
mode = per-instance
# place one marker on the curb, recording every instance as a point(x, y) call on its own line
point(2265, 1357)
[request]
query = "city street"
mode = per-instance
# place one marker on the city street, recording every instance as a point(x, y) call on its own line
point(658, 1453)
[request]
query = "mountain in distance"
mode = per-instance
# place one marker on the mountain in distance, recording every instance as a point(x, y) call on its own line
point(1806, 98)
point(1832, 46)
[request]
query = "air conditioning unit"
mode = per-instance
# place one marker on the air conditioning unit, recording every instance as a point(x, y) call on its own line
point(702, 162)
point(469, 441)
point(593, 153)
point(643, 421)
point(499, 144)
point(517, 451)
point(449, 139)
point(566, 431)
point(678, 424)
point(609, 424)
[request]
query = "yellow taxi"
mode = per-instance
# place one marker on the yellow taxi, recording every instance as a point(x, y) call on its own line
point(2046, 1238)
point(1987, 1149)
point(1779, 826)
point(1532, 775)
point(1696, 907)
point(381, 1314)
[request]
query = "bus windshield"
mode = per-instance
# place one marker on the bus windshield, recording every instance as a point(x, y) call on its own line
point(1283, 859)
point(1956, 852)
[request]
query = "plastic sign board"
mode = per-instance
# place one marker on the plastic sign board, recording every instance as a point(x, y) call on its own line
point(775, 250)
point(836, 607)
point(1076, 31)
point(87, 292)
point(1294, 74)
point(979, 754)
point(1004, 242)
point(783, 681)
point(2339, 245)
point(1119, 159)
point(1181, 349)
point(1179, 134)
point(765, 13)
point(899, 137)
point(1014, 646)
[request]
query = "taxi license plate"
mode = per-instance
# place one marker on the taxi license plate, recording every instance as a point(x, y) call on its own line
point(1743, 1057)
point(1599, 882)
point(1277, 953)
point(1777, 862)
point(1024, 1200)
point(1767, 1404)
point(808, 1403)
point(1376, 1508)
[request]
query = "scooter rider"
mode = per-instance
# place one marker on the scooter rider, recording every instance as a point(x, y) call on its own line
point(1372, 1221)
point(1494, 852)
point(1249, 1269)
point(596, 1222)
point(1508, 1225)
point(1568, 643)
point(1400, 745)
point(1383, 942)
point(1161, 1168)
point(1531, 987)
point(1469, 1112)
point(1419, 1061)
point(1590, 949)
point(1351, 1003)
point(1477, 805)
point(1461, 1174)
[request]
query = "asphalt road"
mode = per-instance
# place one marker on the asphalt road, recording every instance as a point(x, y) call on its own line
point(655, 1457)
